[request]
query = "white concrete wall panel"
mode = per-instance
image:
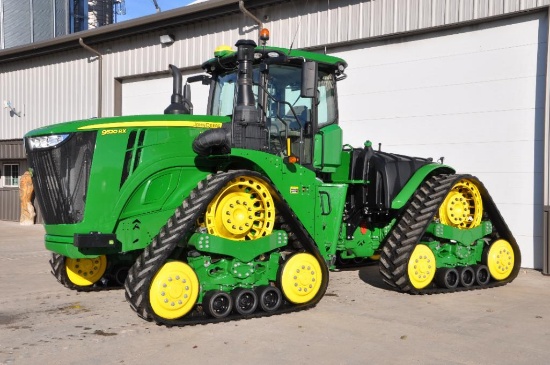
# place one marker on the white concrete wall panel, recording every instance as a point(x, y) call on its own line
point(473, 95)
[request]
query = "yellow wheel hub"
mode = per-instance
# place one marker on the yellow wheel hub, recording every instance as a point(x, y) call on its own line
point(85, 272)
point(463, 207)
point(500, 259)
point(301, 278)
point(242, 210)
point(174, 290)
point(421, 267)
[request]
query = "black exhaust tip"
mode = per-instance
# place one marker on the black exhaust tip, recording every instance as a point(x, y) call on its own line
point(178, 104)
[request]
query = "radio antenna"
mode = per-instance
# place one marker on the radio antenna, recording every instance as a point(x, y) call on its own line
point(294, 38)
point(156, 6)
point(297, 28)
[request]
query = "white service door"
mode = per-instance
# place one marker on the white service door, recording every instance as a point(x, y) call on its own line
point(474, 95)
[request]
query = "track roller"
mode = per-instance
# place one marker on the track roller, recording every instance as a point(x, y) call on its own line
point(245, 301)
point(217, 304)
point(483, 277)
point(447, 278)
point(120, 273)
point(467, 276)
point(270, 298)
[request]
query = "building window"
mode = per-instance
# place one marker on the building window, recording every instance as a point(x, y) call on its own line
point(11, 175)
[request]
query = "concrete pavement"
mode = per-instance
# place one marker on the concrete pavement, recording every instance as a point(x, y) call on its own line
point(358, 321)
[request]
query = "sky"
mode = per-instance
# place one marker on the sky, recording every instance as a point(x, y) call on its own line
point(139, 8)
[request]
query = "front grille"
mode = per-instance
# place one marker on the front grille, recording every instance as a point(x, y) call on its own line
point(61, 176)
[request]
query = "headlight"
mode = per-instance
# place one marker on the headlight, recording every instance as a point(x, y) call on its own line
point(46, 141)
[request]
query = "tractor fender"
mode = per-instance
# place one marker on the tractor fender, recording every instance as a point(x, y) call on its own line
point(414, 182)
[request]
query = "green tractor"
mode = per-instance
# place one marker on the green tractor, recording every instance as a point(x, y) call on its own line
point(243, 212)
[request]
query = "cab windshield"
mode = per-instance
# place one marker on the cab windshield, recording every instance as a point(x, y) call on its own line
point(285, 112)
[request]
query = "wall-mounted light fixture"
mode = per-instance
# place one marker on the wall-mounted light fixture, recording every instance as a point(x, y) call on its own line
point(167, 39)
point(7, 105)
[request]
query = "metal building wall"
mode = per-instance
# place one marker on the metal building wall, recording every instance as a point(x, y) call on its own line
point(48, 90)
point(10, 209)
point(303, 24)
point(12, 151)
point(63, 86)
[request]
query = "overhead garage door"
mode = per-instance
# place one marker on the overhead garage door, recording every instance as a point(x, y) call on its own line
point(474, 95)
point(152, 95)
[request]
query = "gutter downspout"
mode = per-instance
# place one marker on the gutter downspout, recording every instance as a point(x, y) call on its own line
point(546, 169)
point(99, 77)
point(246, 12)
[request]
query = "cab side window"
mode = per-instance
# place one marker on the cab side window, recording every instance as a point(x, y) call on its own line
point(326, 109)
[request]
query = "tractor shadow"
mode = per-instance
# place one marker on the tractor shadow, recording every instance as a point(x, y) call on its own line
point(370, 275)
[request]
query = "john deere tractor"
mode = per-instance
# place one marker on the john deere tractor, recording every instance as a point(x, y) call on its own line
point(243, 212)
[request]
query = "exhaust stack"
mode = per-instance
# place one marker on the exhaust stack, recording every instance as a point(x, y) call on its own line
point(180, 104)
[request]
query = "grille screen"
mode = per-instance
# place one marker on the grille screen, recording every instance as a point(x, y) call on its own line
point(61, 176)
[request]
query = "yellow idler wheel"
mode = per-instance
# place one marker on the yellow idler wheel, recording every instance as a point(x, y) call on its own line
point(421, 267)
point(500, 259)
point(85, 272)
point(301, 278)
point(174, 290)
point(463, 207)
point(242, 210)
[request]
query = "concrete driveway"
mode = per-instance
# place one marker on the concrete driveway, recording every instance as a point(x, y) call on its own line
point(358, 321)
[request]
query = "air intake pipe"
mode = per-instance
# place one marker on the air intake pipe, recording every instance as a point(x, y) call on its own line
point(246, 130)
point(180, 104)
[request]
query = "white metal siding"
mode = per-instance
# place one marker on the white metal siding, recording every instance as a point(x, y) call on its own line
point(45, 93)
point(153, 95)
point(67, 81)
point(474, 95)
point(470, 93)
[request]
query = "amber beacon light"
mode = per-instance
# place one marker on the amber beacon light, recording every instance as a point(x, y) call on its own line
point(264, 35)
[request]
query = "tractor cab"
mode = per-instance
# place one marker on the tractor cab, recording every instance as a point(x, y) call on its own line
point(294, 94)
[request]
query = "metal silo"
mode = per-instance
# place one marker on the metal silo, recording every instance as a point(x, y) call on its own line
point(23, 22)
point(28, 21)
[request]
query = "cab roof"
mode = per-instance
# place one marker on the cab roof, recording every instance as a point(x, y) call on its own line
point(227, 59)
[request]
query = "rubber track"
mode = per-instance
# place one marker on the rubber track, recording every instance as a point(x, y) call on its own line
point(410, 229)
point(182, 223)
point(57, 263)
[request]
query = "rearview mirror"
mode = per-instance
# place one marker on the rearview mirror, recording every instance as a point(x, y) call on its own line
point(309, 79)
point(203, 78)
